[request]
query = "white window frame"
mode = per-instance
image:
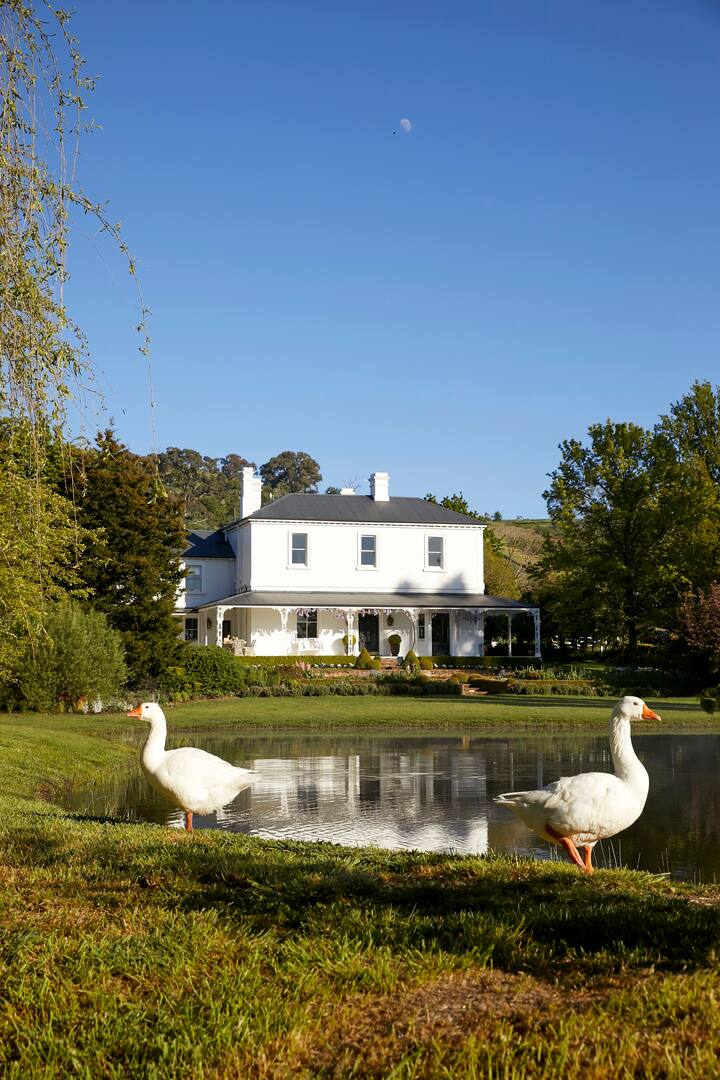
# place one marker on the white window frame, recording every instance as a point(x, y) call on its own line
point(306, 617)
point(197, 574)
point(360, 564)
point(297, 565)
point(434, 569)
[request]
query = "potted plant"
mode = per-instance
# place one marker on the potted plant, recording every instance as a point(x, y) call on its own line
point(349, 643)
point(394, 641)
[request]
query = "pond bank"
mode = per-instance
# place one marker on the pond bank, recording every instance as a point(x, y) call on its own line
point(499, 712)
point(137, 950)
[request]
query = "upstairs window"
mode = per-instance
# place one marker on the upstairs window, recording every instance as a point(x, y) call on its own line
point(435, 553)
point(299, 549)
point(193, 579)
point(368, 551)
point(307, 624)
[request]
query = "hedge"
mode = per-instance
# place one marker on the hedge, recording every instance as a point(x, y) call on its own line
point(283, 661)
point(417, 686)
point(553, 686)
point(488, 684)
point(470, 663)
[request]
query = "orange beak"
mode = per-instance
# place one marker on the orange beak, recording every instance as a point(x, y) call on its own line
point(648, 714)
point(137, 712)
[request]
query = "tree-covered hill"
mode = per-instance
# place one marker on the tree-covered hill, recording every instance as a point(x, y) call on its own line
point(209, 488)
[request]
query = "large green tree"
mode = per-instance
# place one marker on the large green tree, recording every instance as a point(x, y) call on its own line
point(692, 430)
point(609, 568)
point(288, 472)
point(209, 488)
point(132, 571)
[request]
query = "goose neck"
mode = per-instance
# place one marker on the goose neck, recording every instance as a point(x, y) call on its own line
point(154, 746)
point(627, 764)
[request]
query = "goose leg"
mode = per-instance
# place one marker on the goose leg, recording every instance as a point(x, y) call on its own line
point(188, 821)
point(589, 868)
point(570, 850)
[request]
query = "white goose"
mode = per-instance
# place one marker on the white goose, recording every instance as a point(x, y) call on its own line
point(577, 811)
point(192, 779)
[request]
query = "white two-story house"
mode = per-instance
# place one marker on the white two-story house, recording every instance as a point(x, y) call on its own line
point(329, 574)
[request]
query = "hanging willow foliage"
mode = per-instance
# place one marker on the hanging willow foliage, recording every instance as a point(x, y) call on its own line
point(42, 87)
point(44, 359)
point(43, 351)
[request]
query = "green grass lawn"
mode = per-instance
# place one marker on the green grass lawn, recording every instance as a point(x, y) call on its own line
point(137, 951)
point(496, 711)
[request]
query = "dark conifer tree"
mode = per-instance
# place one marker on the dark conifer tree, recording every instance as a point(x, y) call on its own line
point(132, 567)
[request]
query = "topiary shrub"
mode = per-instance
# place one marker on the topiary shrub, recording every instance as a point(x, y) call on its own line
point(366, 662)
point(709, 700)
point(411, 662)
point(80, 660)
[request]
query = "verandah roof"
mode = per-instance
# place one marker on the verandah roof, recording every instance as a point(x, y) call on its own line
point(393, 601)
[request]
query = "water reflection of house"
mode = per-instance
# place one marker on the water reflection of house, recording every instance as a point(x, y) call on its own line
point(424, 798)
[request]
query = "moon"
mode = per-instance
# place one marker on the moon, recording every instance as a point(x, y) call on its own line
point(406, 124)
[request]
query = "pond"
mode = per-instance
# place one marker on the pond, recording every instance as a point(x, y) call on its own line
point(435, 792)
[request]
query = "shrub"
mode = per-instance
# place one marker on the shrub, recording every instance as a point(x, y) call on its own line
point(545, 687)
point(366, 662)
point(400, 683)
point(488, 684)
point(209, 671)
point(709, 700)
point(426, 663)
point(394, 639)
point(411, 662)
point(476, 663)
point(340, 688)
point(327, 660)
point(80, 659)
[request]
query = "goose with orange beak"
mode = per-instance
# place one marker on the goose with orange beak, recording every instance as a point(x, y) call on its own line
point(191, 779)
point(577, 811)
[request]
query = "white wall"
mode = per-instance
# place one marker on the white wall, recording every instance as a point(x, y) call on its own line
point(334, 560)
point(217, 582)
point(266, 635)
point(242, 538)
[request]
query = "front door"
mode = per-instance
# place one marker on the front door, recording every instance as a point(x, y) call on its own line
point(369, 633)
point(441, 634)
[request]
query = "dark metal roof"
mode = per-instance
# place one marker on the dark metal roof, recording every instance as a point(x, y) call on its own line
point(369, 600)
point(307, 506)
point(207, 544)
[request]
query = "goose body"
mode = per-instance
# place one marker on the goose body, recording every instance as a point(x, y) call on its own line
point(577, 811)
point(191, 779)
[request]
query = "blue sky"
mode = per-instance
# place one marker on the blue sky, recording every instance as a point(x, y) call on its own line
point(540, 251)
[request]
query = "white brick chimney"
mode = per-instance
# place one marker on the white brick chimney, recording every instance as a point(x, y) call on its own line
point(379, 482)
point(250, 492)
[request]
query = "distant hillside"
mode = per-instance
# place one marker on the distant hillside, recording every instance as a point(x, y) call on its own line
point(523, 540)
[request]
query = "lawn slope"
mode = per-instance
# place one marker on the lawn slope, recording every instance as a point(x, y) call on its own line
point(133, 950)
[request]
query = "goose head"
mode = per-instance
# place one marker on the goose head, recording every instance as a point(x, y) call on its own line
point(634, 708)
point(148, 711)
